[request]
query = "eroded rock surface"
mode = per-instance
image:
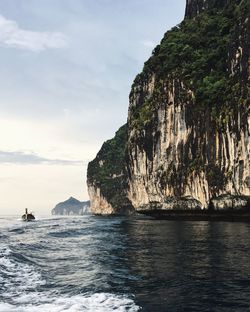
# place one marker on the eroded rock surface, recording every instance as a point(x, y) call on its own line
point(188, 130)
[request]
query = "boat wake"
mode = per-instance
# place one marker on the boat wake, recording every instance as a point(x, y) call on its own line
point(15, 277)
point(101, 302)
point(20, 283)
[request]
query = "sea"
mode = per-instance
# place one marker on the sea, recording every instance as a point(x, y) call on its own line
point(99, 264)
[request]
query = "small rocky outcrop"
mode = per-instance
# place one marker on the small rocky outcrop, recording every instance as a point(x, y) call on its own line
point(173, 203)
point(227, 202)
point(71, 207)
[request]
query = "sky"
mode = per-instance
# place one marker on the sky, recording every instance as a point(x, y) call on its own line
point(66, 72)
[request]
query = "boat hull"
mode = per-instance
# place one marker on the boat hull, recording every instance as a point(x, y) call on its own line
point(28, 217)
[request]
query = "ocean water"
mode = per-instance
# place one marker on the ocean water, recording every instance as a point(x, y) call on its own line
point(123, 264)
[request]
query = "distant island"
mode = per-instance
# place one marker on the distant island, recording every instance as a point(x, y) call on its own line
point(71, 207)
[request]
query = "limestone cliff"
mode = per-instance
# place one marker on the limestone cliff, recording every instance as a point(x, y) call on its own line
point(107, 177)
point(188, 132)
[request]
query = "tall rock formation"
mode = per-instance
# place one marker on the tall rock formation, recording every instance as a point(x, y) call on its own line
point(188, 130)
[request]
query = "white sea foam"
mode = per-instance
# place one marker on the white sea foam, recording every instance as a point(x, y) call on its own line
point(20, 284)
point(16, 277)
point(102, 302)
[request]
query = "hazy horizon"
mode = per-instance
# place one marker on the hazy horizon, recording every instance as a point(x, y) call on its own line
point(67, 69)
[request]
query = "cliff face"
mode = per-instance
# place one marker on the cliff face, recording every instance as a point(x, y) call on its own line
point(189, 122)
point(189, 113)
point(107, 177)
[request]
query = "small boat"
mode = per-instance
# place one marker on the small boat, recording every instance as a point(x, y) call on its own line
point(27, 216)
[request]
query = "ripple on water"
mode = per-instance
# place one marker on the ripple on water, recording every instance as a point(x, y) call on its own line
point(119, 264)
point(20, 282)
point(16, 277)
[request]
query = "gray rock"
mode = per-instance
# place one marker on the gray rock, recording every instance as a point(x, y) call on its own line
point(174, 203)
point(230, 202)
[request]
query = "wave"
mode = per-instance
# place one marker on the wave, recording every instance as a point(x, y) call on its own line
point(16, 277)
point(21, 291)
point(99, 302)
point(17, 230)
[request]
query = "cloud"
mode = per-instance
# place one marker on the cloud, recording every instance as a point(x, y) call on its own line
point(18, 157)
point(11, 35)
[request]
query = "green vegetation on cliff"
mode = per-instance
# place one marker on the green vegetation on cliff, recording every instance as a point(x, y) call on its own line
point(108, 170)
point(196, 52)
point(188, 121)
point(110, 159)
